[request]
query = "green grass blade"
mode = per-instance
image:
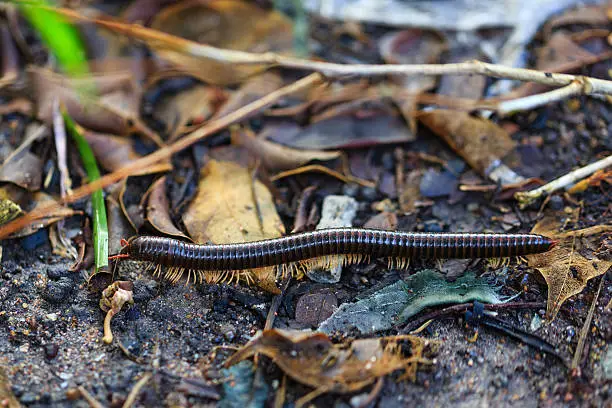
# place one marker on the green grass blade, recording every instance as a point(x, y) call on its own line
point(60, 36)
point(100, 225)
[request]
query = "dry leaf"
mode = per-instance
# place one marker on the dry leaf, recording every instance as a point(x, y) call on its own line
point(119, 226)
point(571, 263)
point(559, 50)
point(232, 206)
point(195, 104)
point(312, 359)
point(22, 167)
point(479, 141)
point(413, 46)
point(252, 89)
point(158, 210)
point(276, 157)
point(112, 111)
point(113, 153)
point(31, 202)
point(227, 24)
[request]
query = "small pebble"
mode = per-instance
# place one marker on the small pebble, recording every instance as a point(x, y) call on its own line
point(28, 398)
point(51, 317)
point(556, 203)
point(51, 351)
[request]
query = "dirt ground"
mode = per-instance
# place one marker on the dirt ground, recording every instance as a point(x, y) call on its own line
point(51, 324)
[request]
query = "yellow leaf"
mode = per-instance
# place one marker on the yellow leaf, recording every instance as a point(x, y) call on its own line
point(232, 206)
point(570, 264)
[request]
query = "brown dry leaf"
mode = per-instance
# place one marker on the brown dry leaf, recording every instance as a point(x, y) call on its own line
point(252, 89)
point(193, 104)
point(596, 179)
point(231, 206)
point(559, 50)
point(119, 227)
point(479, 141)
point(114, 111)
point(312, 359)
point(22, 167)
point(30, 202)
point(114, 152)
point(158, 210)
point(276, 157)
point(571, 263)
point(588, 15)
point(227, 24)
point(413, 46)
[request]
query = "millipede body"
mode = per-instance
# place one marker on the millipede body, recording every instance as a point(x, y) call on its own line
point(326, 247)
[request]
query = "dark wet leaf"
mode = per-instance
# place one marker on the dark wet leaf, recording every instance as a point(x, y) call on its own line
point(347, 132)
point(22, 167)
point(414, 46)
point(114, 152)
point(118, 225)
point(559, 50)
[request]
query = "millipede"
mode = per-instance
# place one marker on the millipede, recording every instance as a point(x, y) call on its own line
point(321, 248)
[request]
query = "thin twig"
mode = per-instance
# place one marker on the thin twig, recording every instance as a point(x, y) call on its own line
point(533, 101)
point(165, 152)
point(584, 332)
point(89, 398)
point(167, 41)
point(527, 197)
point(436, 314)
point(129, 401)
point(325, 170)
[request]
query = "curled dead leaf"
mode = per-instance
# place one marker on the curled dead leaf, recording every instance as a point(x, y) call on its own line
point(158, 210)
point(276, 157)
point(114, 152)
point(571, 263)
point(312, 359)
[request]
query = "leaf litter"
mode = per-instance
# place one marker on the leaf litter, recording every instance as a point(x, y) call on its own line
point(345, 115)
point(312, 359)
point(569, 266)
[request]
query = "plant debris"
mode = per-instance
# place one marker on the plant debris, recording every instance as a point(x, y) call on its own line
point(571, 263)
point(393, 305)
point(312, 359)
